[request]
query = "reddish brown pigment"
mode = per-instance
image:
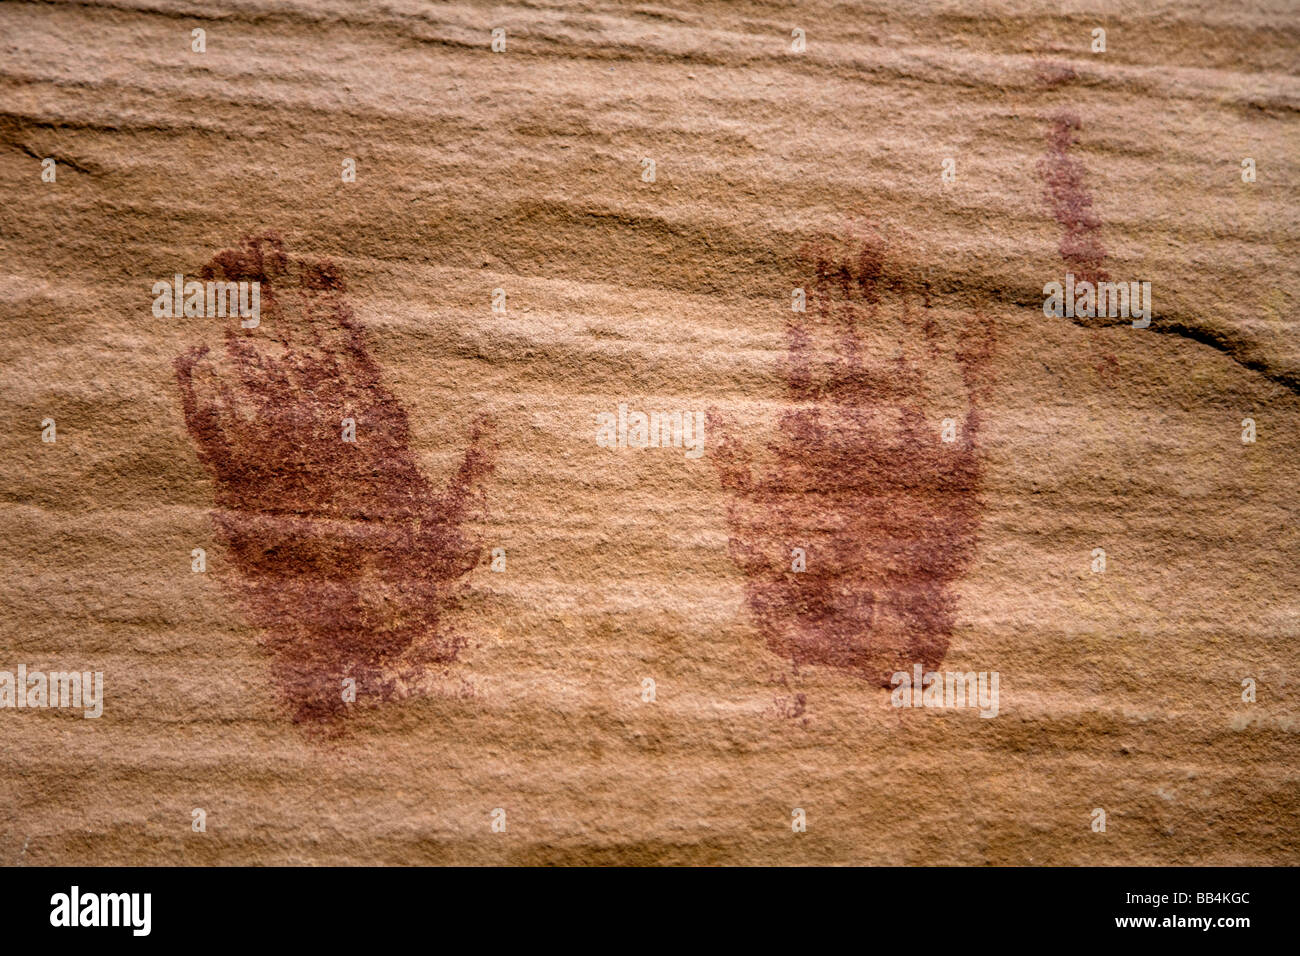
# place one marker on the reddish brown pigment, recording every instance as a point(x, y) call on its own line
point(1070, 202)
point(886, 512)
point(1051, 75)
point(345, 556)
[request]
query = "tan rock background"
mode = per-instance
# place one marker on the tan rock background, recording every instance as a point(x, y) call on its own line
point(522, 170)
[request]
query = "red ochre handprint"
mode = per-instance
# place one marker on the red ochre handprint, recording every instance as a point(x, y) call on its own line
point(344, 554)
point(857, 476)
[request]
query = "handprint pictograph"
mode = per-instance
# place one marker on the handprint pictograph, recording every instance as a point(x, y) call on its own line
point(857, 477)
point(345, 555)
